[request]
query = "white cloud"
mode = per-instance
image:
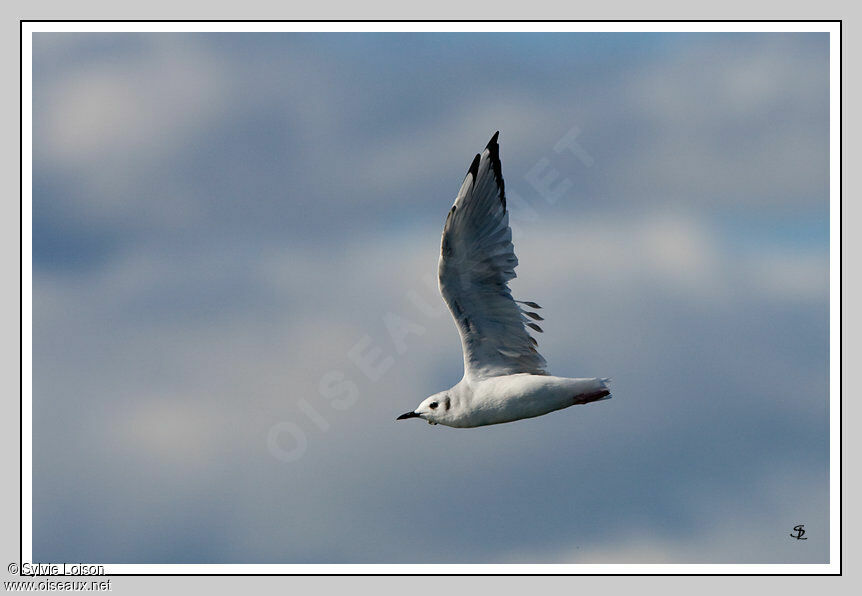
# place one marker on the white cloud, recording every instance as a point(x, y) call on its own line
point(723, 533)
point(140, 107)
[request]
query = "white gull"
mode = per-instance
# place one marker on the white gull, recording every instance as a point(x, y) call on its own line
point(504, 374)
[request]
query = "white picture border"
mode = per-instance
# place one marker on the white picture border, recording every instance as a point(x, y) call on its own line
point(831, 27)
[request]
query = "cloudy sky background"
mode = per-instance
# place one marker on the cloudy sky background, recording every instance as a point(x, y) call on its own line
point(226, 226)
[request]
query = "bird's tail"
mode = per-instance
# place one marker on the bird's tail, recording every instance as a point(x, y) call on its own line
point(605, 382)
point(600, 393)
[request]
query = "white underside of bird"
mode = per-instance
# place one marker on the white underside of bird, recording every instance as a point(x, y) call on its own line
point(504, 374)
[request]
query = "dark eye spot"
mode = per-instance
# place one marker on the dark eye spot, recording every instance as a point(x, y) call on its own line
point(433, 405)
point(446, 403)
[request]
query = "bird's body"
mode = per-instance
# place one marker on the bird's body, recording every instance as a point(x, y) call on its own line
point(504, 374)
point(507, 398)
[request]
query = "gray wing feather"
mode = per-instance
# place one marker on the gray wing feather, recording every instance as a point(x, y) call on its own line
point(477, 259)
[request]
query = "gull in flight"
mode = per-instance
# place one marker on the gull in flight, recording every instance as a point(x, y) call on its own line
point(504, 374)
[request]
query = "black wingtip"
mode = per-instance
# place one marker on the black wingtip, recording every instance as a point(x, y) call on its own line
point(493, 148)
point(493, 141)
point(474, 167)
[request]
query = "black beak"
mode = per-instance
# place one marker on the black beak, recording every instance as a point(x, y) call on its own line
point(408, 415)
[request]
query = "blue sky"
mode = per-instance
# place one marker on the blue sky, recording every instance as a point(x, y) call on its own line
point(225, 226)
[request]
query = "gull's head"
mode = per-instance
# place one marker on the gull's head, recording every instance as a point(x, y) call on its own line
point(433, 409)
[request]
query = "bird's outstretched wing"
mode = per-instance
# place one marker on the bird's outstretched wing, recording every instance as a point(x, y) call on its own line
point(477, 259)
